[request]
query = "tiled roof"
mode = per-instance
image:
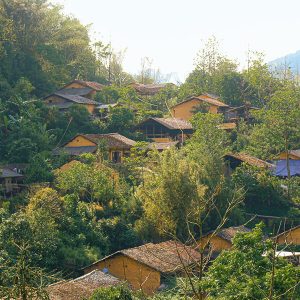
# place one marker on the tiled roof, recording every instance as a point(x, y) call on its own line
point(165, 257)
point(76, 99)
point(91, 84)
point(75, 91)
point(148, 89)
point(113, 140)
point(251, 160)
point(173, 123)
point(81, 287)
point(229, 233)
point(208, 98)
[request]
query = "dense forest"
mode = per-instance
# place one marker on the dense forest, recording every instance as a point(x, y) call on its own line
point(65, 219)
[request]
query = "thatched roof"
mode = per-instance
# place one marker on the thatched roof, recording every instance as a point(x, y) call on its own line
point(229, 233)
point(166, 257)
point(81, 287)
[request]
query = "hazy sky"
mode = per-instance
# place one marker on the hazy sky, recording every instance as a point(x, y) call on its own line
point(172, 31)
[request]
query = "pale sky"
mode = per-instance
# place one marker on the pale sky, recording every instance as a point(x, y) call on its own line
point(172, 31)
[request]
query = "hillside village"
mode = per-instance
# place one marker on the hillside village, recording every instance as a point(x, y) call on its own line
point(120, 186)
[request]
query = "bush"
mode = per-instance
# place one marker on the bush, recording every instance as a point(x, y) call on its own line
point(120, 292)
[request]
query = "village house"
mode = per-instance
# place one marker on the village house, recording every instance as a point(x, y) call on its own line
point(64, 101)
point(243, 112)
point(147, 266)
point(234, 160)
point(81, 287)
point(205, 103)
point(222, 239)
point(89, 88)
point(117, 145)
point(289, 237)
point(165, 129)
point(11, 179)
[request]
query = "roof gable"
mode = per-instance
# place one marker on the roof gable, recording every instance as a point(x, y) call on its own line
point(229, 233)
point(208, 98)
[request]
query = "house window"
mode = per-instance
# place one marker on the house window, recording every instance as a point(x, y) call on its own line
point(116, 156)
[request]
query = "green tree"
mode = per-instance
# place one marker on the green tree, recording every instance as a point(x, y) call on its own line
point(251, 271)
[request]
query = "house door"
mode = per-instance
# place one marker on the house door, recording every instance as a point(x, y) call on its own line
point(116, 156)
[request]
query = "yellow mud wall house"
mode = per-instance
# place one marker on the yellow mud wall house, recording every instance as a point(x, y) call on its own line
point(139, 276)
point(290, 237)
point(293, 154)
point(146, 267)
point(64, 101)
point(186, 109)
point(221, 240)
point(118, 146)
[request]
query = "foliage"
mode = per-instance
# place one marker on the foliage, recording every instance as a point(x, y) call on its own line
point(246, 273)
point(276, 131)
point(20, 280)
point(120, 292)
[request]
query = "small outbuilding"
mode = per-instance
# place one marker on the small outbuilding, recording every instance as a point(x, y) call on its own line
point(81, 287)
